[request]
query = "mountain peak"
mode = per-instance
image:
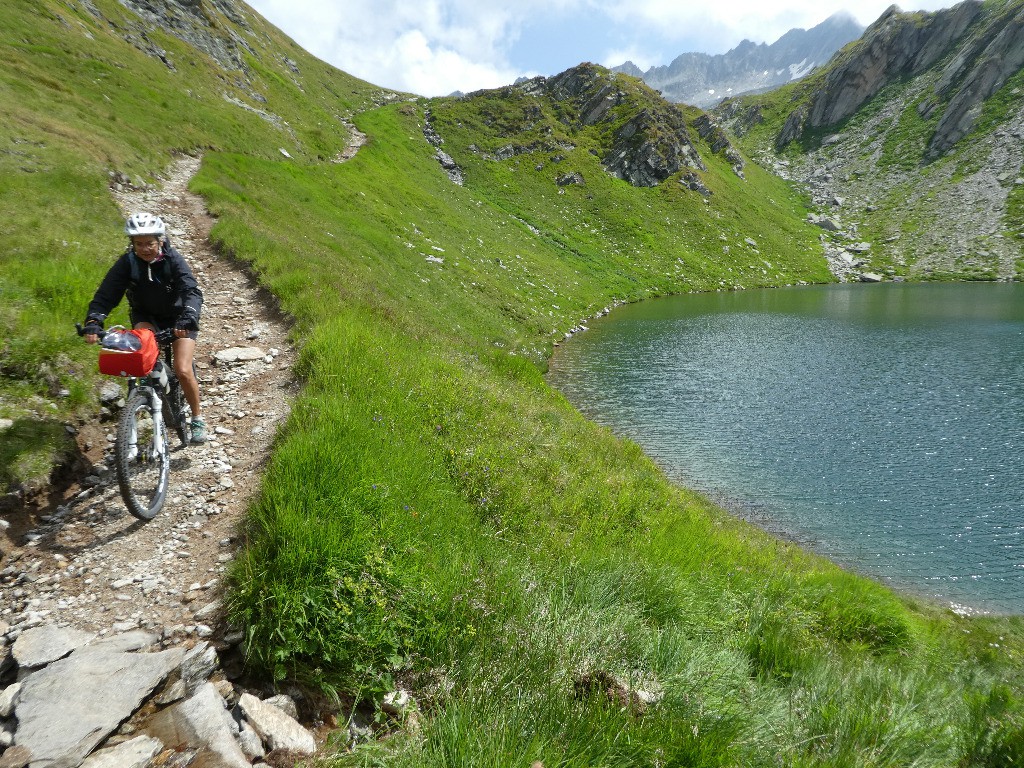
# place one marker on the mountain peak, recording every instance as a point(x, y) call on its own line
point(704, 80)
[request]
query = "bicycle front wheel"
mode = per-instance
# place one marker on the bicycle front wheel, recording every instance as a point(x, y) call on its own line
point(143, 461)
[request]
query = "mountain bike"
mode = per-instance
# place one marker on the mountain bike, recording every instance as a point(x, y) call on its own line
point(142, 457)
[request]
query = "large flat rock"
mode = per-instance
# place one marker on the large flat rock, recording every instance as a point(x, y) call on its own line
point(67, 709)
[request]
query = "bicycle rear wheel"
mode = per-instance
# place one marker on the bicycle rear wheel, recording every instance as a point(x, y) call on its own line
point(143, 462)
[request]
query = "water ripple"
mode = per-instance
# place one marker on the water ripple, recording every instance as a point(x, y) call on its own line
point(881, 425)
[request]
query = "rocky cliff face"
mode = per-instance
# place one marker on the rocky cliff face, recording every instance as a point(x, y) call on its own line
point(980, 68)
point(982, 54)
point(195, 22)
point(912, 145)
point(704, 80)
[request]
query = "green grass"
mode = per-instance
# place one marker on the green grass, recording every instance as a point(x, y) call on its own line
point(434, 515)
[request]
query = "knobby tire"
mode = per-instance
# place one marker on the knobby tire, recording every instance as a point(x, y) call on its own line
point(142, 474)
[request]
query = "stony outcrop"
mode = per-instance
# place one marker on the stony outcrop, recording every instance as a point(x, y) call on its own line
point(650, 142)
point(66, 709)
point(898, 45)
point(645, 139)
point(979, 69)
point(650, 147)
point(194, 22)
point(447, 163)
point(712, 133)
point(130, 700)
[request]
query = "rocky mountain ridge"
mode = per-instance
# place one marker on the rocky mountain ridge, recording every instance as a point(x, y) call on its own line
point(704, 80)
point(900, 45)
point(646, 139)
point(910, 143)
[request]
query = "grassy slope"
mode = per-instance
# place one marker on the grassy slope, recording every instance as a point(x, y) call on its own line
point(434, 511)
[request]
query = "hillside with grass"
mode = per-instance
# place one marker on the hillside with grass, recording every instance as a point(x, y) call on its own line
point(435, 517)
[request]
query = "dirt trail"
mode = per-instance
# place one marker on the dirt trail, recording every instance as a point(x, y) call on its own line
point(85, 562)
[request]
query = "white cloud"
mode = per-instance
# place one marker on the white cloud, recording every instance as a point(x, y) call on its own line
point(617, 56)
point(430, 47)
point(423, 67)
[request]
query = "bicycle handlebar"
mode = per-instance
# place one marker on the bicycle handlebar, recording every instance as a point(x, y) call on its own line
point(163, 338)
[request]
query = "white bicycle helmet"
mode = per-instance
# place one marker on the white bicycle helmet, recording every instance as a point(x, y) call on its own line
point(144, 224)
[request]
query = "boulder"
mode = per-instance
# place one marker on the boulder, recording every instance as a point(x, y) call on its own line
point(397, 703)
point(250, 742)
point(110, 392)
point(136, 753)
point(68, 708)
point(15, 757)
point(238, 355)
point(127, 642)
point(6, 734)
point(276, 729)
point(7, 697)
point(201, 721)
point(693, 182)
point(41, 645)
point(285, 703)
point(197, 666)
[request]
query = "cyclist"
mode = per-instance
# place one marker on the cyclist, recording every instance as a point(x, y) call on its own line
point(162, 293)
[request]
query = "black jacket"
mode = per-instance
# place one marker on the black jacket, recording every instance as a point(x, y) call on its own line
point(161, 290)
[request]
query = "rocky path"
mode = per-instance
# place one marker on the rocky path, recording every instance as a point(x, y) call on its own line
point(86, 563)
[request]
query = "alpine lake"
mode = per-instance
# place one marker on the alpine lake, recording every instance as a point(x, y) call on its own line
point(881, 426)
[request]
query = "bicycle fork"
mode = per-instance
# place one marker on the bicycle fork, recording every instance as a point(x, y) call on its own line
point(159, 447)
point(156, 406)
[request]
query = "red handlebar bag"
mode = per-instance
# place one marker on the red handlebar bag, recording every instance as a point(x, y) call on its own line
point(128, 352)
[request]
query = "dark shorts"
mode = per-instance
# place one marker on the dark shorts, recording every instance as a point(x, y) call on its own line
point(161, 323)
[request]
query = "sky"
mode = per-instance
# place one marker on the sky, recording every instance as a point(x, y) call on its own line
point(437, 47)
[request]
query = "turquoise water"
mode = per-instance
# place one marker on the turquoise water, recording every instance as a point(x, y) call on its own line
point(879, 425)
